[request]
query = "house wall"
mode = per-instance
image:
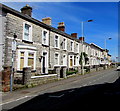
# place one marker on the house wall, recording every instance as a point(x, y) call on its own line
point(2, 37)
point(15, 25)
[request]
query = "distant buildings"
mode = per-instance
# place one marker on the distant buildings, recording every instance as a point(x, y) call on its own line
point(44, 48)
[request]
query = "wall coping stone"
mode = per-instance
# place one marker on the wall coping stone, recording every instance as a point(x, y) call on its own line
point(32, 77)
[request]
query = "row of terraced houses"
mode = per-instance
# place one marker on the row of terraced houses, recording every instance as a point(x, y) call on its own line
point(44, 48)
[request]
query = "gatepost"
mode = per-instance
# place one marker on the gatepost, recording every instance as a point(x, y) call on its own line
point(79, 69)
point(64, 71)
point(97, 68)
point(26, 75)
point(57, 70)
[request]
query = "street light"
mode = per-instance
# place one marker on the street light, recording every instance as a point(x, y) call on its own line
point(82, 28)
point(105, 46)
point(105, 42)
point(13, 54)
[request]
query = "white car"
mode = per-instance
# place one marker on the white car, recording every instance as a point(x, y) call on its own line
point(118, 68)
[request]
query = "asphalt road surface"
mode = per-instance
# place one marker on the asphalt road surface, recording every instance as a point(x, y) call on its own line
point(96, 92)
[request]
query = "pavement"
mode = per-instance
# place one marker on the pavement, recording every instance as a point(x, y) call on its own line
point(30, 93)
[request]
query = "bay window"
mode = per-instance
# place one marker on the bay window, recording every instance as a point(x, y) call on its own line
point(26, 58)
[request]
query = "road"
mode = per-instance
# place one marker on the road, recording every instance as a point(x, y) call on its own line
point(101, 90)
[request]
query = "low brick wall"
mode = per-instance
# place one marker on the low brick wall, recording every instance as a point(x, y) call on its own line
point(93, 70)
point(36, 80)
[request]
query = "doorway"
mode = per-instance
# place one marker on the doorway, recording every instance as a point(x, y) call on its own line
point(45, 63)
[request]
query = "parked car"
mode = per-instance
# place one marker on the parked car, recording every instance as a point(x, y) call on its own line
point(118, 68)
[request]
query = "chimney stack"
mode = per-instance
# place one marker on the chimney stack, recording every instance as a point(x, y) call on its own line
point(82, 39)
point(61, 26)
point(27, 10)
point(47, 20)
point(74, 35)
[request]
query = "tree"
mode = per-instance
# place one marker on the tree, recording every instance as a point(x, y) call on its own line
point(83, 56)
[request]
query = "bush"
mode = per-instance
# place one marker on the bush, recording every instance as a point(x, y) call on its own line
point(71, 72)
point(87, 69)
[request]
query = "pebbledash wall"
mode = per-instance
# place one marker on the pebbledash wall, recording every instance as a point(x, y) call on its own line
point(45, 53)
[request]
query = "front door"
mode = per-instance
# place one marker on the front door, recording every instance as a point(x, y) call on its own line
point(71, 61)
point(45, 63)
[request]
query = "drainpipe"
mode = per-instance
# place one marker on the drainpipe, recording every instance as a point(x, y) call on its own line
point(49, 50)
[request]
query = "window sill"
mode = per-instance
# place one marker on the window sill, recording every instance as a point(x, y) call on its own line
point(63, 65)
point(27, 41)
point(71, 51)
point(21, 71)
point(45, 45)
point(64, 49)
point(56, 65)
point(57, 48)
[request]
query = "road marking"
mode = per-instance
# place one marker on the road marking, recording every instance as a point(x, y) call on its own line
point(17, 99)
point(71, 90)
point(84, 84)
point(52, 96)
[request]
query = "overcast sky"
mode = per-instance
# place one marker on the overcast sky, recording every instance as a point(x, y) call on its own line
point(103, 14)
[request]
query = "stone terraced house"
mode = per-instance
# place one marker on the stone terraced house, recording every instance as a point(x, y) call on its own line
point(42, 47)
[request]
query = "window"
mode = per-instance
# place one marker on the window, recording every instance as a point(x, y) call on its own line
point(64, 60)
point(31, 60)
point(56, 41)
point(77, 48)
point(21, 60)
point(45, 37)
point(26, 58)
point(27, 32)
point(64, 44)
point(71, 46)
point(56, 59)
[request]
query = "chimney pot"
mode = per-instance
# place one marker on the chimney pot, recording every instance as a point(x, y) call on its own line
point(27, 10)
point(61, 26)
point(74, 35)
point(47, 20)
point(82, 38)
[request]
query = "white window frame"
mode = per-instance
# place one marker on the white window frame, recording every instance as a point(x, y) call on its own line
point(77, 60)
point(58, 41)
point(65, 61)
point(72, 47)
point(58, 59)
point(26, 52)
point(77, 47)
point(64, 42)
point(30, 31)
point(47, 37)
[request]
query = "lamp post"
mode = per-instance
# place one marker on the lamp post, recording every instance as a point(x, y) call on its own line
point(82, 30)
point(105, 47)
point(13, 54)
